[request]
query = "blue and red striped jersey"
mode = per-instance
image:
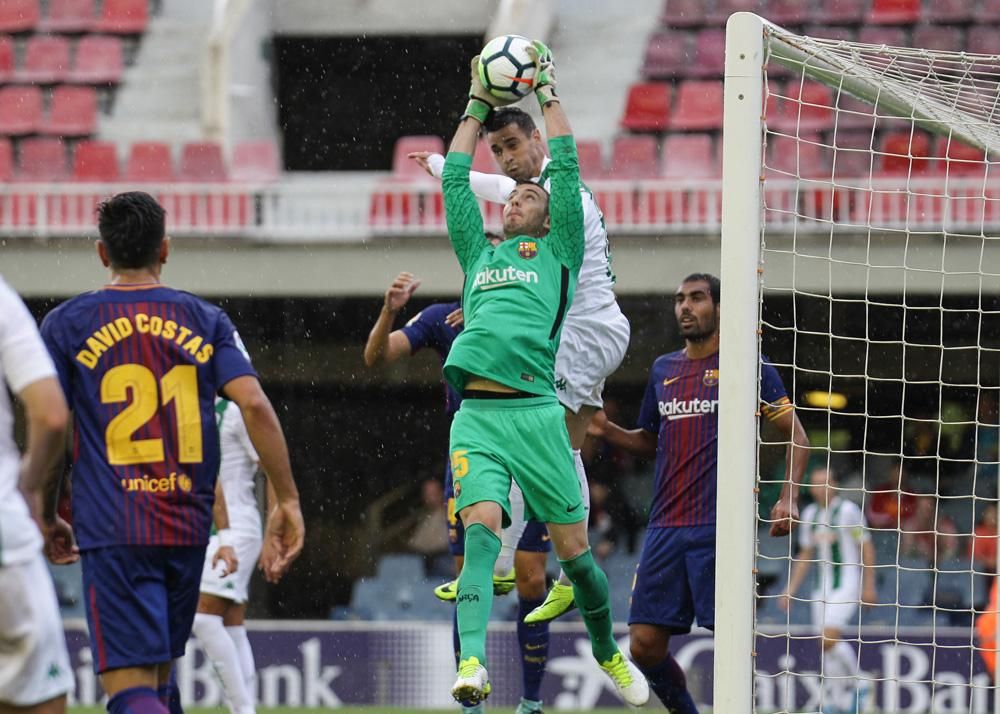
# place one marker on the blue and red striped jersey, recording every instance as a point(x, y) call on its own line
point(680, 406)
point(140, 366)
point(429, 329)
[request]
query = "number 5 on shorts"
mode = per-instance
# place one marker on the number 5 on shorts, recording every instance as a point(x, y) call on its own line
point(459, 463)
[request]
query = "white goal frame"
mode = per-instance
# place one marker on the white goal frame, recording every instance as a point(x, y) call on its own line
point(751, 41)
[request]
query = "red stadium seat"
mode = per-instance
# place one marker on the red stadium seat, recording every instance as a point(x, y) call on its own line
point(724, 8)
point(46, 60)
point(891, 36)
point(149, 161)
point(683, 13)
point(99, 60)
point(958, 159)
point(789, 12)
point(18, 15)
point(905, 154)
point(854, 114)
point(647, 107)
point(20, 110)
point(123, 17)
point(709, 54)
point(941, 38)
point(837, 12)
point(984, 39)
point(6, 160)
point(42, 160)
point(68, 16)
point(698, 106)
point(690, 156)
point(403, 167)
point(804, 158)
point(6, 59)
point(894, 12)
point(830, 32)
point(666, 55)
point(809, 107)
point(255, 160)
point(73, 111)
point(202, 161)
point(948, 11)
point(95, 161)
point(591, 156)
point(634, 157)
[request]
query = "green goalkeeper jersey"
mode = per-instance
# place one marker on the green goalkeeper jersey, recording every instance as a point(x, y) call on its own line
point(515, 295)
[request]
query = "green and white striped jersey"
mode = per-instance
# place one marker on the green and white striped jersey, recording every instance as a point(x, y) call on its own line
point(837, 533)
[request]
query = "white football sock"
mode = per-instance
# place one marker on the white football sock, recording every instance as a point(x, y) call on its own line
point(238, 634)
point(221, 652)
point(511, 536)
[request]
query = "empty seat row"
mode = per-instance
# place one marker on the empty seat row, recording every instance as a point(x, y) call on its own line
point(98, 59)
point(122, 17)
point(697, 13)
point(72, 111)
point(697, 106)
point(48, 159)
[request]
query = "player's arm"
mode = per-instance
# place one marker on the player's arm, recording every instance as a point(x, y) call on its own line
point(639, 442)
point(800, 568)
point(285, 530)
point(565, 206)
point(786, 510)
point(220, 518)
point(385, 345)
point(494, 188)
point(42, 463)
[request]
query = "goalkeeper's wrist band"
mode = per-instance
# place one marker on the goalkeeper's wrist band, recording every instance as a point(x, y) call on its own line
point(546, 95)
point(477, 109)
point(225, 538)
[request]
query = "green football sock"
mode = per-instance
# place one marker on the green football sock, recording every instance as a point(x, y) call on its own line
point(475, 590)
point(590, 590)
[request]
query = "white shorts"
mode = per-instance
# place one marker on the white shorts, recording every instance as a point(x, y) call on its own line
point(835, 609)
point(590, 349)
point(234, 586)
point(34, 664)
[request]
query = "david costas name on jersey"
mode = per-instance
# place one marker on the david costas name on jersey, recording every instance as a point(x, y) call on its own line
point(677, 409)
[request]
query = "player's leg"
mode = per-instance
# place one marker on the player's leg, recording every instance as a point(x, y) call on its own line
point(840, 659)
point(35, 673)
point(183, 567)
point(234, 620)
point(663, 604)
point(210, 629)
point(503, 572)
point(529, 564)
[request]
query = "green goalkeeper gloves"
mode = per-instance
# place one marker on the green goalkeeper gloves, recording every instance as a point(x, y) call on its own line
point(545, 73)
point(481, 100)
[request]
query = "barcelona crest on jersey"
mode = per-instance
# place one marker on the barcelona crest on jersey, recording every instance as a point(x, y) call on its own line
point(527, 249)
point(711, 377)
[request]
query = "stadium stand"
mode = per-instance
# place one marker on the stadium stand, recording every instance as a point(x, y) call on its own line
point(255, 161)
point(46, 60)
point(7, 63)
point(73, 112)
point(894, 12)
point(149, 161)
point(647, 107)
point(634, 157)
point(99, 60)
point(20, 110)
point(42, 159)
point(6, 160)
point(19, 15)
point(69, 16)
point(123, 17)
point(202, 161)
point(698, 105)
point(403, 167)
point(95, 161)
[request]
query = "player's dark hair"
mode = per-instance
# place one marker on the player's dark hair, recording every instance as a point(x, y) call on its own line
point(505, 116)
point(132, 226)
point(714, 285)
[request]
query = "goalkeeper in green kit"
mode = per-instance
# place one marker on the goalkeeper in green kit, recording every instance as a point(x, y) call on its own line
point(510, 425)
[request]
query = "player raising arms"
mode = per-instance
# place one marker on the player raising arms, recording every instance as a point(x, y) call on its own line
point(678, 422)
point(595, 333)
point(141, 365)
point(510, 424)
point(35, 674)
point(436, 327)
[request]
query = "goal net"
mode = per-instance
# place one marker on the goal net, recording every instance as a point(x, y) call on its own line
point(861, 256)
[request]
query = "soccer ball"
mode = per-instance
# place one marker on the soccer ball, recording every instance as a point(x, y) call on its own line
point(506, 68)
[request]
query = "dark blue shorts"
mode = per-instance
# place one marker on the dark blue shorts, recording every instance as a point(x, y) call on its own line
point(140, 602)
point(675, 579)
point(535, 538)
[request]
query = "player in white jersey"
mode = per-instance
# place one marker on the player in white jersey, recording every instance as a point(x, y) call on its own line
point(595, 333)
point(219, 623)
point(35, 674)
point(833, 533)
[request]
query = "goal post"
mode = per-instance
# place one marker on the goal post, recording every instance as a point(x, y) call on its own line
point(861, 254)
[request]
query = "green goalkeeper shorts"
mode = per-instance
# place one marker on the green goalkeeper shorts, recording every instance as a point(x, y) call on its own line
point(495, 440)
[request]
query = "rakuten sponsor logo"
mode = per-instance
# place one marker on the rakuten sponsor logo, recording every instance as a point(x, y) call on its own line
point(678, 409)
